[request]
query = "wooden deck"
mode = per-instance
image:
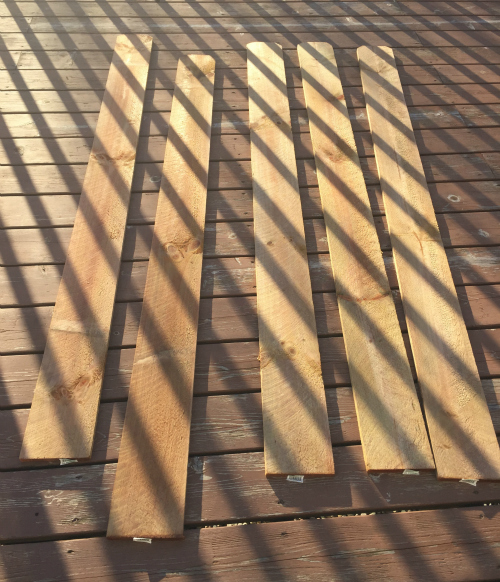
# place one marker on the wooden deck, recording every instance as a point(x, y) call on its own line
point(54, 60)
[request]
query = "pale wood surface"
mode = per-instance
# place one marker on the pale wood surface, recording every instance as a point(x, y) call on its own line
point(64, 410)
point(391, 424)
point(149, 494)
point(296, 439)
point(460, 426)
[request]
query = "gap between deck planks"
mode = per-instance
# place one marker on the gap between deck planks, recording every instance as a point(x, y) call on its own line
point(63, 414)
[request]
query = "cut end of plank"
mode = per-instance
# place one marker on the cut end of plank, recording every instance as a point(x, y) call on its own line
point(253, 46)
point(140, 42)
point(146, 538)
point(53, 450)
point(366, 52)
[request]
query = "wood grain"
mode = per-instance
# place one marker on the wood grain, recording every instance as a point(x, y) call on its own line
point(294, 409)
point(149, 493)
point(462, 435)
point(64, 410)
point(391, 424)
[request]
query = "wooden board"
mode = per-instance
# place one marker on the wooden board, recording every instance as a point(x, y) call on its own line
point(462, 435)
point(63, 415)
point(391, 424)
point(149, 493)
point(294, 409)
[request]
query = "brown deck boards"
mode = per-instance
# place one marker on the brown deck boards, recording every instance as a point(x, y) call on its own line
point(401, 545)
point(52, 85)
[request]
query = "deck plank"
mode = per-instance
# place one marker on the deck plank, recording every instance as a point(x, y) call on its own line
point(25, 329)
point(49, 245)
point(244, 9)
point(37, 285)
point(82, 79)
point(223, 368)
point(47, 210)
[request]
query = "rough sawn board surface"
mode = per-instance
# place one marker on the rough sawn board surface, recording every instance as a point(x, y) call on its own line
point(391, 424)
point(150, 486)
point(296, 435)
point(66, 399)
point(462, 434)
